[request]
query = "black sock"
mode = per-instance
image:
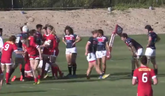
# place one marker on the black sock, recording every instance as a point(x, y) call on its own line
point(23, 73)
point(11, 71)
point(156, 71)
point(74, 69)
point(70, 69)
point(132, 72)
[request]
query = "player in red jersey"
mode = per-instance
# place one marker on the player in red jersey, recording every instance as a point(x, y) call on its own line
point(50, 45)
point(144, 75)
point(7, 50)
point(1, 78)
point(34, 54)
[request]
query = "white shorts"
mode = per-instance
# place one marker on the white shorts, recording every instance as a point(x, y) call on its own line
point(139, 52)
point(6, 63)
point(150, 52)
point(18, 55)
point(101, 54)
point(71, 50)
point(91, 57)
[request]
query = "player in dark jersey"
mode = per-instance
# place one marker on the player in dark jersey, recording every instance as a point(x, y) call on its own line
point(90, 51)
point(102, 49)
point(151, 48)
point(143, 76)
point(38, 35)
point(18, 58)
point(135, 48)
point(70, 39)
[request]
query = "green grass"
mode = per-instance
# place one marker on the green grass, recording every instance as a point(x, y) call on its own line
point(118, 84)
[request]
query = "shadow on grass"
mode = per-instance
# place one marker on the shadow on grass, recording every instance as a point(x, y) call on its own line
point(70, 81)
point(11, 92)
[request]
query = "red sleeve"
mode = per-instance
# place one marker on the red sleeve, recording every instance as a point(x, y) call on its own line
point(153, 74)
point(56, 43)
point(15, 47)
point(135, 75)
point(32, 43)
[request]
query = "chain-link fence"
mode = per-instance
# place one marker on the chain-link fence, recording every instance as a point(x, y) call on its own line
point(72, 4)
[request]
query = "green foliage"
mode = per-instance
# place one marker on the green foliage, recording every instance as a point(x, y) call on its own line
point(80, 3)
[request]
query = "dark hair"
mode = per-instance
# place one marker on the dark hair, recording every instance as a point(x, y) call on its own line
point(70, 29)
point(50, 27)
point(32, 32)
point(124, 35)
point(101, 31)
point(45, 27)
point(12, 38)
point(38, 26)
point(143, 60)
point(93, 32)
point(149, 28)
point(1, 29)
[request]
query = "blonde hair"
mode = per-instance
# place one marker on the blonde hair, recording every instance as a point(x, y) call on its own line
point(50, 27)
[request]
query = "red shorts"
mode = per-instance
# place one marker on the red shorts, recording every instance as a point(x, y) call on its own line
point(32, 57)
point(6, 61)
point(145, 93)
point(27, 68)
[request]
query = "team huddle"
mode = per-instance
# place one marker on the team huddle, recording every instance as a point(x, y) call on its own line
point(36, 52)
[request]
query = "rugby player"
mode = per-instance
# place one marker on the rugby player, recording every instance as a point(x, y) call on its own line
point(19, 59)
point(102, 49)
point(143, 76)
point(70, 39)
point(38, 35)
point(34, 53)
point(1, 41)
point(1, 78)
point(151, 49)
point(50, 45)
point(90, 51)
point(7, 50)
point(135, 48)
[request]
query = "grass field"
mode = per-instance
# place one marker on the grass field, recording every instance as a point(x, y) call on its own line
point(118, 84)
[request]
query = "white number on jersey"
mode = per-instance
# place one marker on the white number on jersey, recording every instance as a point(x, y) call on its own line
point(6, 47)
point(144, 77)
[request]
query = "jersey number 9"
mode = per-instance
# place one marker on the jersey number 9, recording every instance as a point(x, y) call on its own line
point(6, 47)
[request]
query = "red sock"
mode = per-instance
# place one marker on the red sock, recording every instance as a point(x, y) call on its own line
point(39, 76)
point(35, 80)
point(20, 67)
point(52, 71)
point(7, 77)
point(55, 69)
point(58, 69)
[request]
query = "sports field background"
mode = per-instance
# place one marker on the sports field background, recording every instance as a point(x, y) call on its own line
point(118, 84)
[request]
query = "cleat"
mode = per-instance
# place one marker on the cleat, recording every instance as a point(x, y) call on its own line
point(8, 84)
point(45, 76)
point(74, 76)
point(34, 83)
point(38, 81)
point(61, 75)
point(69, 76)
point(13, 79)
point(104, 76)
point(88, 77)
point(21, 78)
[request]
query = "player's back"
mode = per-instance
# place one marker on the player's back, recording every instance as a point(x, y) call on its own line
point(8, 48)
point(144, 76)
